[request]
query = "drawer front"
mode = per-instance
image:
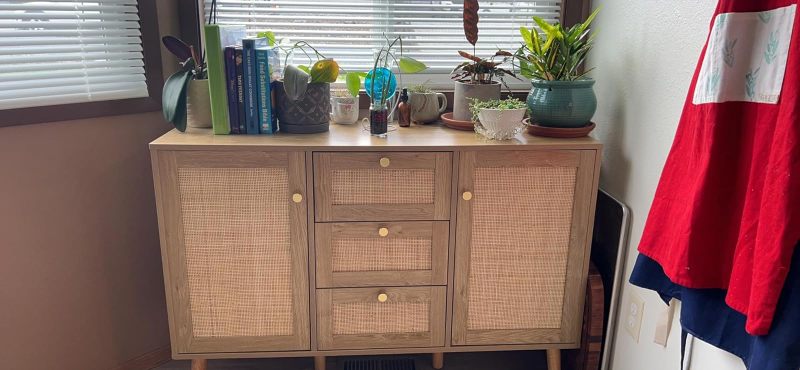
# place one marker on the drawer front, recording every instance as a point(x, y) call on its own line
point(382, 186)
point(354, 254)
point(360, 318)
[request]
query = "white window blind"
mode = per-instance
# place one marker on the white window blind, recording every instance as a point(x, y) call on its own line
point(349, 30)
point(62, 52)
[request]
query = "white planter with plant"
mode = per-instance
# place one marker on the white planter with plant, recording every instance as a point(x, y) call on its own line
point(552, 57)
point(498, 119)
point(426, 104)
point(185, 100)
point(344, 107)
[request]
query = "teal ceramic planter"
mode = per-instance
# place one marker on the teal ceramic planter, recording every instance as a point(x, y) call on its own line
point(562, 103)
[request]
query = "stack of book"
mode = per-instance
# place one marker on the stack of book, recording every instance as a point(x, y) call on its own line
point(240, 81)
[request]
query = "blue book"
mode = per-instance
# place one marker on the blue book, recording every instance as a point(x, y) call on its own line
point(267, 120)
point(230, 85)
point(250, 77)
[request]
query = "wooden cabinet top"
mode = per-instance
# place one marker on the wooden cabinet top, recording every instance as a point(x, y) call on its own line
point(353, 137)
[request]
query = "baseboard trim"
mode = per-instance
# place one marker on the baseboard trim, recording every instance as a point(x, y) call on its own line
point(147, 361)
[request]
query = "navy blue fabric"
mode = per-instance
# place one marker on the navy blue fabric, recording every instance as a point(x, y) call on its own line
point(705, 315)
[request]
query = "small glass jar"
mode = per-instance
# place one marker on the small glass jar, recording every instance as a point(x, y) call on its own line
point(378, 119)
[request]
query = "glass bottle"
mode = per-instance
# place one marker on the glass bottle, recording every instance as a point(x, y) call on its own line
point(404, 110)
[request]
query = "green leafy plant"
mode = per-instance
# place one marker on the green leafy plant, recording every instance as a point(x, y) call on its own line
point(475, 105)
point(420, 89)
point(297, 77)
point(386, 57)
point(553, 52)
point(479, 70)
point(173, 97)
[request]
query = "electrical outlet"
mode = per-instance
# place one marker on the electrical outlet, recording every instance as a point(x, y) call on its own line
point(634, 312)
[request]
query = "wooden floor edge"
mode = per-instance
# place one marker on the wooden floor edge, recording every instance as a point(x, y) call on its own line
point(147, 361)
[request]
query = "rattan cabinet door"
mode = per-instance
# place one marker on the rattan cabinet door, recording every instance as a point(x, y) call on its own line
point(235, 250)
point(522, 246)
point(382, 186)
point(364, 318)
point(354, 254)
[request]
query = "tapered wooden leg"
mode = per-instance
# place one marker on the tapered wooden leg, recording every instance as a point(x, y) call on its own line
point(200, 364)
point(438, 360)
point(553, 359)
point(319, 362)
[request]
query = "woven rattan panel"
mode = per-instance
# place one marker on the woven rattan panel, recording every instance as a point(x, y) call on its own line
point(380, 254)
point(377, 317)
point(236, 235)
point(384, 186)
point(521, 220)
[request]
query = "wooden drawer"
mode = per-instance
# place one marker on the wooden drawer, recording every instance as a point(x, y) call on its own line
point(382, 186)
point(358, 318)
point(354, 254)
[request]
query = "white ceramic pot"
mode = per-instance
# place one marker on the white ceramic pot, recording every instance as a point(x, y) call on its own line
point(344, 109)
point(501, 123)
point(464, 93)
point(198, 104)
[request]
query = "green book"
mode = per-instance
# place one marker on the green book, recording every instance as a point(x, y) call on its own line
point(217, 38)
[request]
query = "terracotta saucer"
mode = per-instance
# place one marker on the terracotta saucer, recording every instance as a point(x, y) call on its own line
point(558, 132)
point(447, 119)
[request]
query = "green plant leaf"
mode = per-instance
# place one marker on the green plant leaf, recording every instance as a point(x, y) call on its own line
point(173, 98)
point(353, 83)
point(588, 21)
point(410, 65)
point(295, 82)
point(269, 35)
point(526, 36)
point(304, 69)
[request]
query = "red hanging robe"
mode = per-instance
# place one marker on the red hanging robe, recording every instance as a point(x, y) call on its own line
point(726, 213)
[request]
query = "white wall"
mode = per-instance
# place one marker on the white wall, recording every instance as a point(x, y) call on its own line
point(645, 56)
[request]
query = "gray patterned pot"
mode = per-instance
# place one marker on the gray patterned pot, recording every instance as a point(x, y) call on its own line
point(307, 115)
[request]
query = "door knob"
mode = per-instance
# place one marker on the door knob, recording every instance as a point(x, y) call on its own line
point(383, 231)
point(384, 162)
point(383, 297)
point(297, 197)
point(467, 195)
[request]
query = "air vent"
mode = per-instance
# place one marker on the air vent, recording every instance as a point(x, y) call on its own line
point(380, 364)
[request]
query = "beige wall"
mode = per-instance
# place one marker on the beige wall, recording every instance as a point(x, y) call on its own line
point(80, 267)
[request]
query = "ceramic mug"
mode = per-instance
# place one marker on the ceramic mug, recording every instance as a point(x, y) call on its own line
point(426, 107)
point(344, 110)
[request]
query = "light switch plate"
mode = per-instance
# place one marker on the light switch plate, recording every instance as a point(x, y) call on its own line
point(634, 311)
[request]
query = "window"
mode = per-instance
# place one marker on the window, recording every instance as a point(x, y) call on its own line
point(349, 30)
point(59, 53)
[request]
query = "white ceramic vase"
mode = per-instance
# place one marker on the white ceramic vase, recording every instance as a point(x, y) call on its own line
point(344, 109)
point(198, 104)
point(500, 124)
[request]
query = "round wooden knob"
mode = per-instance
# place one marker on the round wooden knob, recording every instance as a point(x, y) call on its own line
point(383, 231)
point(383, 297)
point(297, 197)
point(385, 162)
point(467, 195)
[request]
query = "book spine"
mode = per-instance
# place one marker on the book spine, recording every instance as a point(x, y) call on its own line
point(216, 80)
point(240, 92)
point(230, 85)
point(264, 93)
point(250, 86)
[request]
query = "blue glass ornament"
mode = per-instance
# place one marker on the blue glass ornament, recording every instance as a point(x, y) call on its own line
point(383, 76)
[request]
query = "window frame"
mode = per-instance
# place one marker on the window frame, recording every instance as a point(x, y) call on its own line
point(572, 12)
point(151, 50)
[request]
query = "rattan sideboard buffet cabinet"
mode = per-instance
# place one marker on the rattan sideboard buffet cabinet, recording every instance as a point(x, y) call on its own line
point(429, 241)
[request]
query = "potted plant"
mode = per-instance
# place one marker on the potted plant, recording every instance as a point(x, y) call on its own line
point(477, 78)
point(303, 95)
point(498, 119)
point(552, 57)
point(344, 107)
point(426, 104)
point(380, 83)
point(185, 100)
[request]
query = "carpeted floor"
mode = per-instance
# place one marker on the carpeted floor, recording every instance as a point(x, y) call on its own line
point(517, 360)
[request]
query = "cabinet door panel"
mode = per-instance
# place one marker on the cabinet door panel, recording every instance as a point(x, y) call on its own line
point(382, 186)
point(235, 250)
point(358, 318)
point(521, 246)
point(399, 253)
